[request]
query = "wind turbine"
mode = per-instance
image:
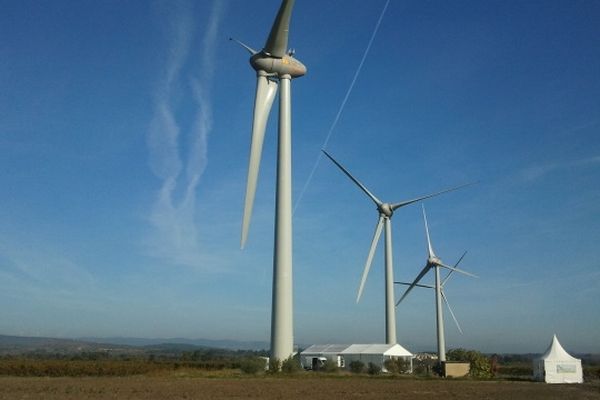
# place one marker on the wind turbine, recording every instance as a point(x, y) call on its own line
point(434, 262)
point(275, 66)
point(385, 210)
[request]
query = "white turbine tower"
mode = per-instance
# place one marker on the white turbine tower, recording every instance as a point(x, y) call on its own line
point(434, 262)
point(385, 211)
point(275, 65)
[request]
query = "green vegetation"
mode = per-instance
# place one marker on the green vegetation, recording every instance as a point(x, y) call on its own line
point(424, 367)
point(373, 369)
point(77, 368)
point(481, 366)
point(357, 367)
point(397, 366)
point(291, 365)
point(274, 365)
point(104, 363)
point(252, 365)
point(330, 367)
point(514, 370)
point(591, 373)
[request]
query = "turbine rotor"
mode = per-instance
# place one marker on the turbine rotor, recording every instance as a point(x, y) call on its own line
point(385, 210)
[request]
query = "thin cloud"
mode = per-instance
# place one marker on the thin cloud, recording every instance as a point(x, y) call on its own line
point(174, 236)
point(164, 131)
point(45, 274)
point(535, 172)
point(201, 90)
point(538, 171)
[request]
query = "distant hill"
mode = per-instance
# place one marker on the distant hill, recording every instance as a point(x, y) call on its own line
point(218, 344)
point(23, 345)
point(14, 345)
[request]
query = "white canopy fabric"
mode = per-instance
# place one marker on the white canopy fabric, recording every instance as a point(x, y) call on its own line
point(325, 349)
point(557, 366)
point(345, 354)
point(331, 352)
point(392, 350)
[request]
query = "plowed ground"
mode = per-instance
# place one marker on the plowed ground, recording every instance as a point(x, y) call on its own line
point(305, 388)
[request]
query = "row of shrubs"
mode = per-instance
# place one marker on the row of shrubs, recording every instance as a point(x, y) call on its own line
point(392, 366)
point(255, 365)
point(107, 367)
point(56, 368)
point(481, 367)
point(36, 367)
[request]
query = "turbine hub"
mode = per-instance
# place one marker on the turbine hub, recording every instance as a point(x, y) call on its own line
point(286, 65)
point(434, 260)
point(385, 209)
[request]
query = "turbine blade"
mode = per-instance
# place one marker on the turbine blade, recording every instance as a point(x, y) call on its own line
point(265, 94)
point(446, 278)
point(277, 42)
point(429, 248)
point(376, 236)
point(455, 265)
point(460, 259)
point(451, 312)
point(250, 49)
point(360, 185)
point(414, 283)
point(460, 271)
point(407, 202)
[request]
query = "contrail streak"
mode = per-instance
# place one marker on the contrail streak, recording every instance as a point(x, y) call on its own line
point(174, 236)
point(342, 106)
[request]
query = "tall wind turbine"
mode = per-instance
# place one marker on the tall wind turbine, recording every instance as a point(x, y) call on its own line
point(435, 263)
point(275, 66)
point(385, 211)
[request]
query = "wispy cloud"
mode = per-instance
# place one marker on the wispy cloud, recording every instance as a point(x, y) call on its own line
point(45, 274)
point(175, 234)
point(535, 172)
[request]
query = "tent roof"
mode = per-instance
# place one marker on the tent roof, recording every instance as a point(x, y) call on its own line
point(385, 349)
point(325, 348)
point(556, 352)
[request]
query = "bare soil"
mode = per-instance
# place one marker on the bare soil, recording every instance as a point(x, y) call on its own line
point(305, 388)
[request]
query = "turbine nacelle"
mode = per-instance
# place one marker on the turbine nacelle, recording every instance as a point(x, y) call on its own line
point(277, 66)
point(385, 210)
point(434, 261)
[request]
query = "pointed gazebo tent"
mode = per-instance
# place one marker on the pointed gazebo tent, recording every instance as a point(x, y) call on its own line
point(557, 366)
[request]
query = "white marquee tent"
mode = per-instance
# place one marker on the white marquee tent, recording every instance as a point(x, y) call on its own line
point(557, 366)
point(315, 356)
point(376, 354)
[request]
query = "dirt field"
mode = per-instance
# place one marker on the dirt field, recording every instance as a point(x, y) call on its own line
point(311, 388)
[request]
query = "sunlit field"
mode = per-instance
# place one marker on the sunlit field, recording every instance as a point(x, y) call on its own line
point(232, 384)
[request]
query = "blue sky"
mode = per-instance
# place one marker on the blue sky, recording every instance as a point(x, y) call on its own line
point(124, 134)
